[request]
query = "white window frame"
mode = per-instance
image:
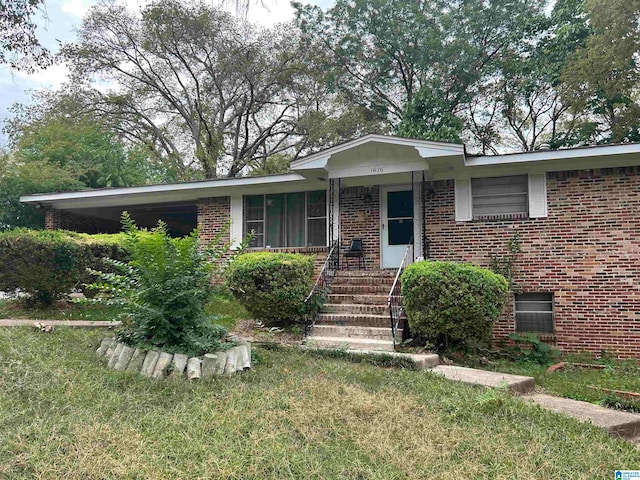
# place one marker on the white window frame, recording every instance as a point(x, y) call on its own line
point(306, 219)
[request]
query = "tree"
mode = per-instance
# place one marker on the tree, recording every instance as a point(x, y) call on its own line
point(56, 147)
point(417, 64)
point(19, 46)
point(19, 178)
point(603, 76)
point(211, 91)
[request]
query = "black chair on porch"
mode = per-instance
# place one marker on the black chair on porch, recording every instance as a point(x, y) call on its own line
point(355, 251)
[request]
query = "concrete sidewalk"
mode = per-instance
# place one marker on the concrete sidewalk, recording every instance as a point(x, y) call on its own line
point(618, 423)
point(486, 378)
point(21, 322)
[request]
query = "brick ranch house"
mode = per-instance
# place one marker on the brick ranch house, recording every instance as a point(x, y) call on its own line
point(577, 212)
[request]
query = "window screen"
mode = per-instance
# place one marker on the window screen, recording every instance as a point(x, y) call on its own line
point(534, 312)
point(497, 196)
point(286, 219)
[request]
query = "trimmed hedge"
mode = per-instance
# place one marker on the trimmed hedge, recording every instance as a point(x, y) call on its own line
point(453, 304)
point(271, 286)
point(47, 265)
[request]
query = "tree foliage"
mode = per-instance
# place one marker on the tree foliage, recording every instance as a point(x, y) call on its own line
point(19, 46)
point(604, 74)
point(206, 88)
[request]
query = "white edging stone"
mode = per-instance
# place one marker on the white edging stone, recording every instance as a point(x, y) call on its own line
point(149, 364)
point(230, 365)
point(179, 364)
point(157, 365)
point(124, 358)
point(135, 364)
point(116, 354)
point(193, 368)
point(162, 366)
point(221, 361)
point(209, 362)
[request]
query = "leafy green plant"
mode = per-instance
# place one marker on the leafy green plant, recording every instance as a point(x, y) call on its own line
point(47, 265)
point(536, 350)
point(272, 286)
point(505, 265)
point(164, 288)
point(452, 304)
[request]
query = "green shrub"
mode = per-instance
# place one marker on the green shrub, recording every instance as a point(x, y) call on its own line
point(163, 290)
point(534, 351)
point(452, 304)
point(47, 265)
point(272, 286)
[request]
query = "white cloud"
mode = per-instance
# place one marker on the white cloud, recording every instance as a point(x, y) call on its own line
point(77, 8)
point(52, 77)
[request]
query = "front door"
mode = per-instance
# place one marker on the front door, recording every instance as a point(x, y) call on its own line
point(396, 224)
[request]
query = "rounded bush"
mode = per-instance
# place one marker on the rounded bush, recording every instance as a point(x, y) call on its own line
point(272, 286)
point(50, 264)
point(453, 304)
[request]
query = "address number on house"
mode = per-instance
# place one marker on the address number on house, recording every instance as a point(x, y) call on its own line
point(377, 169)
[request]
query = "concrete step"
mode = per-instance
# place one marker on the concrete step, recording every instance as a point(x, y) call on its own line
point(422, 360)
point(349, 343)
point(616, 422)
point(384, 280)
point(354, 320)
point(515, 383)
point(335, 298)
point(378, 333)
point(357, 308)
point(376, 289)
point(388, 273)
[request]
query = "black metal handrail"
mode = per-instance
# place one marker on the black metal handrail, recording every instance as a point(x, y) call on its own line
point(394, 301)
point(318, 294)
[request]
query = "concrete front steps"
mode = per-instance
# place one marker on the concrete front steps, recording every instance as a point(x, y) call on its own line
point(356, 316)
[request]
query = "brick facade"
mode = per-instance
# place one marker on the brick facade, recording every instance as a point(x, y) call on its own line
point(213, 214)
point(360, 218)
point(587, 252)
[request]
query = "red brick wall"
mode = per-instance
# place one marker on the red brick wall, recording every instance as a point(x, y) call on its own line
point(213, 215)
point(587, 252)
point(360, 218)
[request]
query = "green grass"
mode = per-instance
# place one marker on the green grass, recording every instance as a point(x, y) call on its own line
point(575, 382)
point(296, 415)
point(226, 309)
point(70, 311)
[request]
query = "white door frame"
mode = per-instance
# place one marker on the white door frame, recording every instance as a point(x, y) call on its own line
point(384, 228)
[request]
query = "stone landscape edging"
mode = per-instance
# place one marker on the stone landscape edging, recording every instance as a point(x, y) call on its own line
point(158, 365)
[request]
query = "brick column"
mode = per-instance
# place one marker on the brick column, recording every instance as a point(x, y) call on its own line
point(52, 219)
point(213, 215)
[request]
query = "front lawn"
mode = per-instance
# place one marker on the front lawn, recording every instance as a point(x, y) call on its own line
point(578, 382)
point(226, 310)
point(296, 415)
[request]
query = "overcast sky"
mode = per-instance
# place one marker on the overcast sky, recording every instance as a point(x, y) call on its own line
point(65, 16)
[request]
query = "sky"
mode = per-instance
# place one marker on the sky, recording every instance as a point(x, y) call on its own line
point(59, 25)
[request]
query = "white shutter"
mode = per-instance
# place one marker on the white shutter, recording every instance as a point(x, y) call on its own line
point(417, 221)
point(236, 221)
point(463, 200)
point(538, 195)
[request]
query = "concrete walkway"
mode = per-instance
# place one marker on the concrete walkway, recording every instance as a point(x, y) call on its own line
point(485, 378)
point(21, 322)
point(618, 423)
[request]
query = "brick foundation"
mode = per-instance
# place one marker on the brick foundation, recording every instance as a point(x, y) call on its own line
point(587, 252)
